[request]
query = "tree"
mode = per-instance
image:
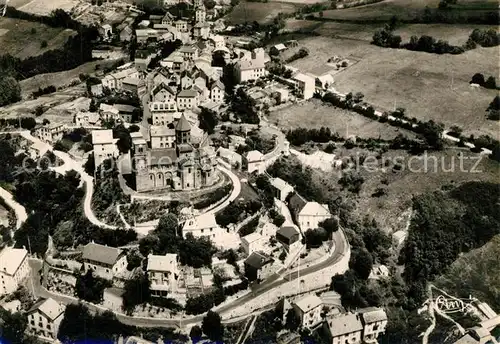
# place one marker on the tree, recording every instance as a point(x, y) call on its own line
point(278, 220)
point(10, 91)
point(292, 321)
point(477, 78)
point(208, 120)
point(136, 291)
point(491, 83)
point(134, 260)
point(44, 44)
point(196, 333)
point(212, 326)
point(124, 139)
point(209, 4)
point(363, 263)
point(330, 225)
point(90, 288)
point(13, 326)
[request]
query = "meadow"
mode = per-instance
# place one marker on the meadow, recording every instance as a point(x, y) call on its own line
point(23, 39)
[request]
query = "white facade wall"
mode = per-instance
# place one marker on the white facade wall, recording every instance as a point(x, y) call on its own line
point(311, 221)
point(107, 272)
point(10, 283)
point(163, 142)
point(103, 152)
point(40, 324)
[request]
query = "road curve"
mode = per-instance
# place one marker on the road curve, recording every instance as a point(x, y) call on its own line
point(234, 193)
point(70, 164)
point(19, 210)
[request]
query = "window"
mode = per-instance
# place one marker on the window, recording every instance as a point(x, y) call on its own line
point(48, 326)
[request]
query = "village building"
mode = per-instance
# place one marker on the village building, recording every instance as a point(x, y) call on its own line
point(106, 32)
point(288, 236)
point(308, 310)
point(14, 269)
point(187, 166)
point(374, 322)
point(203, 226)
point(163, 274)
point(125, 112)
point(259, 266)
point(251, 69)
point(252, 243)
point(308, 215)
point(114, 81)
point(97, 90)
point(104, 146)
point(106, 262)
point(113, 298)
point(131, 85)
point(126, 34)
point(281, 188)
point(230, 156)
point(181, 25)
point(44, 318)
point(201, 30)
point(277, 49)
point(256, 162)
point(146, 35)
point(200, 14)
point(306, 85)
point(50, 132)
point(187, 99)
point(344, 328)
point(109, 112)
point(217, 92)
point(87, 119)
point(188, 52)
point(162, 137)
point(168, 19)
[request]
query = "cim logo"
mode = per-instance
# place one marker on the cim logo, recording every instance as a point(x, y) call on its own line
point(450, 305)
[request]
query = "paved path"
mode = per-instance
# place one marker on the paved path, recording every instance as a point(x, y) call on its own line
point(276, 280)
point(445, 133)
point(19, 210)
point(70, 164)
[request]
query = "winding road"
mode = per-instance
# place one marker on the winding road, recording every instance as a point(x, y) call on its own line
point(276, 280)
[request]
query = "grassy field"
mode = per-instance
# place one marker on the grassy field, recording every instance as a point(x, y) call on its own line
point(420, 82)
point(391, 210)
point(314, 114)
point(262, 12)
point(404, 9)
point(476, 273)
point(18, 39)
point(43, 7)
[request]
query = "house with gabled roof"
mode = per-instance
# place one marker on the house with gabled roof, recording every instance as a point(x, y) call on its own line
point(312, 214)
point(288, 236)
point(163, 273)
point(281, 188)
point(308, 310)
point(259, 266)
point(14, 269)
point(187, 99)
point(217, 91)
point(104, 261)
point(256, 163)
point(44, 318)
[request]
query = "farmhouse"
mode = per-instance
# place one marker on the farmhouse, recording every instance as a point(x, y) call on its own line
point(312, 214)
point(203, 226)
point(230, 156)
point(85, 119)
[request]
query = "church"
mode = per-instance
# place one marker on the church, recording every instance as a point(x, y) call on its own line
point(172, 161)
